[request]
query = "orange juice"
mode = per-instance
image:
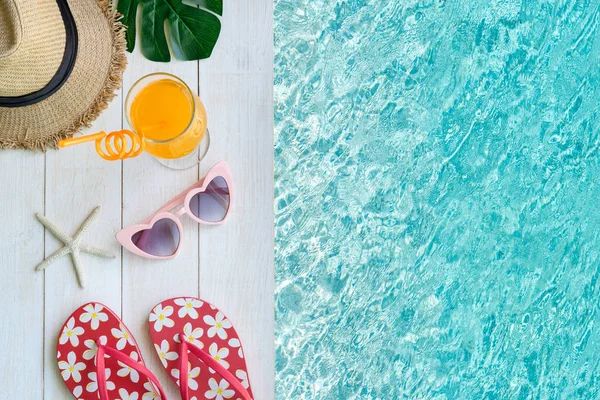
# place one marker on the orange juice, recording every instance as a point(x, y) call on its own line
point(170, 116)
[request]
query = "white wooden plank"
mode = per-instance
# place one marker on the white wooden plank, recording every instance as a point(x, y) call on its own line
point(147, 185)
point(236, 259)
point(78, 180)
point(22, 294)
point(236, 273)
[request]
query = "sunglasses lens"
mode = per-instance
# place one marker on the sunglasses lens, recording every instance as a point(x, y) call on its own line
point(212, 204)
point(161, 240)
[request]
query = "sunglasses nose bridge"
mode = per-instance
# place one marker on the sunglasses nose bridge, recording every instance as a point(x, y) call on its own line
point(180, 212)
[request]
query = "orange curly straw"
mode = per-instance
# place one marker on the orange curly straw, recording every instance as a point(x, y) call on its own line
point(113, 146)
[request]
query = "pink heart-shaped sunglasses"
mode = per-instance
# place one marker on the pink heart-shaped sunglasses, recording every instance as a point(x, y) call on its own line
point(208, 201)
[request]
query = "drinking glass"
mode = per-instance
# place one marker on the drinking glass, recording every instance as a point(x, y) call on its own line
point(171, 117)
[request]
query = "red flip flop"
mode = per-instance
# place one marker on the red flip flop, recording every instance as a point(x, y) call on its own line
point(209, 360)
point(99, 359)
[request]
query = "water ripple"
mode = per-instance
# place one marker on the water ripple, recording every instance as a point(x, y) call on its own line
point(436, 179)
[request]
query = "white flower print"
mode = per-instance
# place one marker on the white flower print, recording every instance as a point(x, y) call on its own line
point(219, 354)
point(191, 335)
point(71, 368)
point(152, 393)
point(242, 376)
point(92, 347)
point(123, 335)
point(188, 307)
point(159, 316)
point(218, 391)
point(218, 325)
point(93, 385)
point(70, 333)
point(124, 395)
point(164, 354)
point(127, 370)
point(58, 354)
point(92, 313)
point(236, 343)
point(193, 373)
point(77, 392)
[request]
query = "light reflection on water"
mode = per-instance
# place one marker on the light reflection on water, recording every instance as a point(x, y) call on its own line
point(436, 199)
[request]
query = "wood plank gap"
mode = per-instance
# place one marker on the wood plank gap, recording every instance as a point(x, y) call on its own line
point(44, 290)
point(122, 197)
point(199, 176)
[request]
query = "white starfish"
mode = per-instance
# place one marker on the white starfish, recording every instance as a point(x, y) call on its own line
point(73, 245)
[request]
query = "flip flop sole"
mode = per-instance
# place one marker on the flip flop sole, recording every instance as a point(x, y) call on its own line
point(205, 326)
point(76, 355)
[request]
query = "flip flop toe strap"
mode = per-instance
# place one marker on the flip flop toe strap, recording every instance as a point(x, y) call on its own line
point(210, 362)
point(130, 362)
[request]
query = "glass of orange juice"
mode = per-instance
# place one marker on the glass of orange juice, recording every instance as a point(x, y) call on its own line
point(171, 117)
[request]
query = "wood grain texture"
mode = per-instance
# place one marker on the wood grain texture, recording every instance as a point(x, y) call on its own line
point(147, 185)
point(229, 265)
point(22, 294)
point(78, 180)
point(236, 259)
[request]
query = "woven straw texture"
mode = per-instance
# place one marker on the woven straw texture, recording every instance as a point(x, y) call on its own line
point(35, 40)
point(96, 75)
point(10, 28)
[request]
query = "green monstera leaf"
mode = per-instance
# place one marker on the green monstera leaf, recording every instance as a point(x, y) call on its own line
point(194, 31)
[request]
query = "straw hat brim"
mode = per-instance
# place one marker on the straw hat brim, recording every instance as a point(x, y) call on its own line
point(95, 77)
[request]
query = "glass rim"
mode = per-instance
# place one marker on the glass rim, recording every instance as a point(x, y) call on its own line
point(172, 77)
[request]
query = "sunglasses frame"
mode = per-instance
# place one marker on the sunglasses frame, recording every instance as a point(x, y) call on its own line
point(124, 237)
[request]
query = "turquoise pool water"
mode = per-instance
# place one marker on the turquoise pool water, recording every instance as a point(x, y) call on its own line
point(437, 199)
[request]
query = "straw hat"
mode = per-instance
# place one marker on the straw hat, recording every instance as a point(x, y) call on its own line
point(60, 63)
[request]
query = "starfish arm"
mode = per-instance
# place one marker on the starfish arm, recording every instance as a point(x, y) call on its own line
point(96, 251)
point(53, 229)
point(78, 268)
point(86, 225)
point(55, 256)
